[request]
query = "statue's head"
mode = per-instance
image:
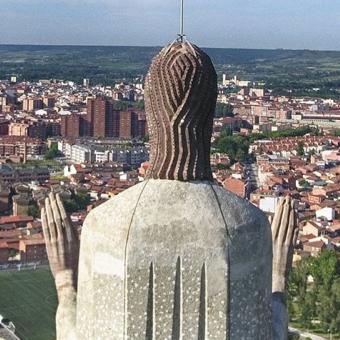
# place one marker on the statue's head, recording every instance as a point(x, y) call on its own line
point(180, 99)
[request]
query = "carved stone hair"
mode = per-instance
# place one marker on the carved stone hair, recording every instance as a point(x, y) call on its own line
point(180, 100)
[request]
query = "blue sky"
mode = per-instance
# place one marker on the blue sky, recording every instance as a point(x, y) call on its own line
point(296, 24)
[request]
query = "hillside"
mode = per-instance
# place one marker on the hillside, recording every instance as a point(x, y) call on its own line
point(298, 71)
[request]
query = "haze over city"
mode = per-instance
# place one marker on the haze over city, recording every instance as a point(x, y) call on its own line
point(303, 24)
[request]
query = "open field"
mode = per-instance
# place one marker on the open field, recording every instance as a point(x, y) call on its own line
point(28, 298)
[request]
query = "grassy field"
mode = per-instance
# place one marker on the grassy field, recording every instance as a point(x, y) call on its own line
point(28, 298)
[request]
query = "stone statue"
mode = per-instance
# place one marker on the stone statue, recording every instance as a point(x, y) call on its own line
point(176, 256)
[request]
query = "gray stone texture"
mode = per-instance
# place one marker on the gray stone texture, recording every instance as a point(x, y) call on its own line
point(175, 260)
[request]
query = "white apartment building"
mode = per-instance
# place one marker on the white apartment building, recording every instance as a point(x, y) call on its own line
point(81, 154)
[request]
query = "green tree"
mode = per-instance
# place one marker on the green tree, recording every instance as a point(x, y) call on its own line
point(146, 138)
point(33, 211)
point(70, 205)
point(311, 153)
point(227, 130)
point(324, 268)
point(320, 299)
point(77, 202)
point(336, 133)
point(236, 147)
point(222, 166)
point(300, 149)
point(240, 155)
point(224, 110)
point(329, 308)
point(307, 310)
point(52, 152)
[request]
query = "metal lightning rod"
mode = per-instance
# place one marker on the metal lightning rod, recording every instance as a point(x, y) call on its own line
point(181, 35)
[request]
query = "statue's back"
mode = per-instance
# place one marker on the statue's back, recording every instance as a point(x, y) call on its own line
point(175, 260)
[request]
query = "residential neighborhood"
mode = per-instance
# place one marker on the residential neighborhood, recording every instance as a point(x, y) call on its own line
point(90, 143)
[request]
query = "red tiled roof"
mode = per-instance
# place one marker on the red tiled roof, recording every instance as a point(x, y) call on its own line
point(316, 244)
point(34, 241)
point(15, 219)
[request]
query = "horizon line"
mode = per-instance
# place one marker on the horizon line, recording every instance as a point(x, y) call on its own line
point(161, 46)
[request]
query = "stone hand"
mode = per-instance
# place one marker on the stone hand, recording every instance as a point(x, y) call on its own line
point(62, 242)
point(284, 235)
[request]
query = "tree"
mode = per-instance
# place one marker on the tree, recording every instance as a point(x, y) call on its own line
point(307, 310)
point(240, 155)
point(146, 138)
point(78, 201)
point(224, 110)
point(236, 147)
point(227, 130)
point(70, 205)
point(336, 132)
point(33, 211)
point(52, 152)
point(300, 149)
point(335, 298)
point(320, 299)
point(324, 268)
point(329, 308)
point(303, 183)
point(311, 153)
point(221, 166)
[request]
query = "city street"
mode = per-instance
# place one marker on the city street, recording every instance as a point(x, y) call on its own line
point(251, 172)
point(306, 334)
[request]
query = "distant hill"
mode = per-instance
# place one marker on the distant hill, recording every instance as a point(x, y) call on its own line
point(284, 70)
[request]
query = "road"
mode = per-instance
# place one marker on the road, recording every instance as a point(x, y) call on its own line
point(251, 172)
point(307, 335)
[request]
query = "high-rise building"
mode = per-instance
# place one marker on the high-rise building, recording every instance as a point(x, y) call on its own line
point(32, 104)
point(101, 121)
point(18, 129)
point(100, 117)
point(19, 145)
point(128, 124)
point(86, 82)
point(37, 130)
point(112, 124)
point(141, 125)
point(3, 101)
point(49, 102)
point(28, 129)
point(4, 124)
point(53, 128)
point(71, 126)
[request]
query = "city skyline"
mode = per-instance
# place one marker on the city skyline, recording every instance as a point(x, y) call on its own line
point(305, 24)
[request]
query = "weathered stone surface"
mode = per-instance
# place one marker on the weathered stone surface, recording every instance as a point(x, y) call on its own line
point(175, 260)
point(175, 257)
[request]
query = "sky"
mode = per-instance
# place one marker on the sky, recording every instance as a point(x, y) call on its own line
point(289, 24)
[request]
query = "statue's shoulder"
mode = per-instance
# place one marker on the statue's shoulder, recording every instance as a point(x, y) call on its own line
point(239, 212)
point(117, 209)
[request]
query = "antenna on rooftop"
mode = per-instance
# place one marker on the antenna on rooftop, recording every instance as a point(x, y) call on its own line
point(181, 34)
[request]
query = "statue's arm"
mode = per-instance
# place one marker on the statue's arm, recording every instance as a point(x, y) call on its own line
point(284, 235)
point(62, 246)
point(66, 312)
